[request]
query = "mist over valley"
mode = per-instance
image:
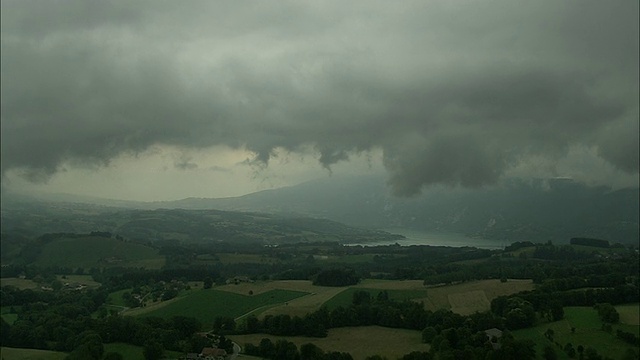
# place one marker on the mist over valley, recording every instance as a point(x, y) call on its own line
point(319, 180)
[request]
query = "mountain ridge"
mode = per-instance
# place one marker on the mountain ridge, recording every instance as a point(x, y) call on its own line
point(540, 210)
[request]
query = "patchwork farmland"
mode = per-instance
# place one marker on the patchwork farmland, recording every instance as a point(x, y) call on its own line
point(300, 297)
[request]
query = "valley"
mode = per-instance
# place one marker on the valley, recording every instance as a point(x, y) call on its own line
point(101, 281)
point(332, 297)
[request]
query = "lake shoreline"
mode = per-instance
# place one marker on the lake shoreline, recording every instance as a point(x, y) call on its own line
point(434, 238)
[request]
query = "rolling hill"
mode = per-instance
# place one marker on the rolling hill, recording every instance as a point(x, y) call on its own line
point(539, 211)
point(87, 251)
point(31, 220)
point(551, 209)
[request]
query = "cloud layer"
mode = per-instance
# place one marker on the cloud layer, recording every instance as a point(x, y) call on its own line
point(451, 92)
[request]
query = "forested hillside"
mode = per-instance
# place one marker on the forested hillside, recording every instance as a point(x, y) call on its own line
point(32, 219)
point(540, 210)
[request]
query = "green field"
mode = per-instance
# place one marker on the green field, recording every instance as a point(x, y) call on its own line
point(629, 314)
point(587, 333)
point(205, 305)
point(8, 309)
point(8, 315)
point(21, 284)
point(115, 298)
point(461, 298)
point(83, 279)
point(10, 318)
point(30, 354)
point(351, 259)
point(134, 352)
point(583, 318)
point(528, 251)
point(361, 342)
point(95, 251)
point(126, 350)
point(345, 298)
point(226, 258)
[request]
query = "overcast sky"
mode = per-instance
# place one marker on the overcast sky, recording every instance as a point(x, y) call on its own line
point(157, 100)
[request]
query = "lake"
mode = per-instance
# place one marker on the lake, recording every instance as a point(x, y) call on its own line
point(417, 237)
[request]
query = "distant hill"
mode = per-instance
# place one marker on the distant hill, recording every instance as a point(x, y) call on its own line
point(22, 221)
point(542, 210)
point(75, 250)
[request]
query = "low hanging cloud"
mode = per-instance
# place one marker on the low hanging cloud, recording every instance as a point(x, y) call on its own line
point(452, 92)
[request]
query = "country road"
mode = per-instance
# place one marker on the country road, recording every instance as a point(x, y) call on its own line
point(236, 352)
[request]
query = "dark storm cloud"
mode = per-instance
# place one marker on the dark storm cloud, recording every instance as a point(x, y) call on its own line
point(452, 92)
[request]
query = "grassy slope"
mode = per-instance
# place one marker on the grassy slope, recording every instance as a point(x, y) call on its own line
point(528, 251)
point(83, 279)
point(9, 313)
point(360, 342)
point(21, 284)
point(115, 298)
point(30, 354)
point(345, 297)
point(88, 250)
point(629, 314)
point(465, 296)
point(439, 297)
point(205, 305)
point(588, 333)
point(10, 318)
point(134, 352)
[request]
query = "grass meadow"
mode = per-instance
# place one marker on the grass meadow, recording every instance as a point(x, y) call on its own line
point(350, 259)
point(24, 284)
point(82, 279)
point(10, 313)
point(465, 298)
point(115, 298)
point(205, 305)
point(227, 258)
point(303, 305)
point(360, 342)
point(345, 297)
point(30, 354)
point(73, 252)
point(473, 296)
point(629, 314)
point(528, 251)
point(135, 352)
point(8, 316)
point(19, 283)
point(316, 295)
point(588, 333)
